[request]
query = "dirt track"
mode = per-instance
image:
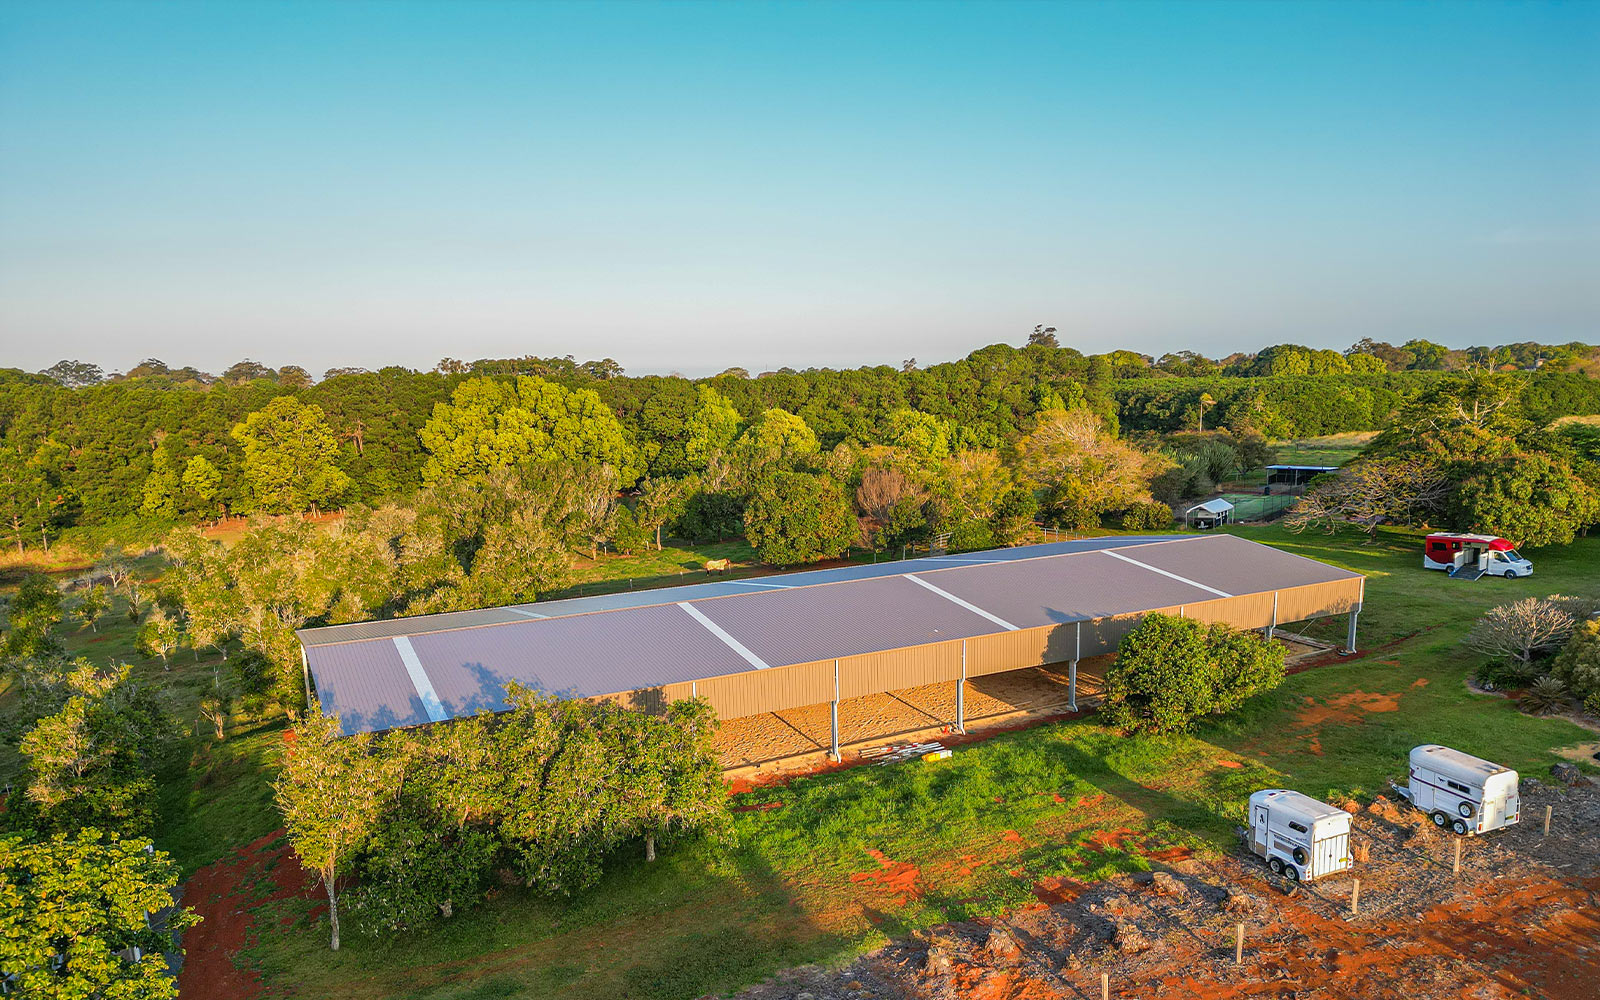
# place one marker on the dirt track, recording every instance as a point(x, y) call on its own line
point(1522, 919)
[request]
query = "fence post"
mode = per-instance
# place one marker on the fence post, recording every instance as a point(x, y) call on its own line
point(1355, 897)
point(1238, 944)
point(1547, 821)
point(1105, 986)
point(1455, 867)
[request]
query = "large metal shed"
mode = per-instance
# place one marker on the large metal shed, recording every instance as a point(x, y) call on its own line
point(780, 642)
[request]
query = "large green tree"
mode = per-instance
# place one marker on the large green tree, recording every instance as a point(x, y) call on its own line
point(72, 904)
point(331, 791)
point(711, 429)
point(91, 763)
point(795, 517)
point(290, 458)
point(493, 424)
point(1536, 499)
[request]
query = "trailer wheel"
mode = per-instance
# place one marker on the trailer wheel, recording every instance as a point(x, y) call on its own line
point(1465, 809)
point(1275, 865)
point(1291, 873)
point(1440, 820)
point(1460, 827)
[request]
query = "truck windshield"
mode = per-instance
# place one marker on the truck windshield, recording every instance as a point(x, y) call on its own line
point(1512, 555)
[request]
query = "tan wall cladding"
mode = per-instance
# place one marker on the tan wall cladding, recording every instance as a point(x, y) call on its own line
point(991, 654)
point(782, 688)
point(914, 666)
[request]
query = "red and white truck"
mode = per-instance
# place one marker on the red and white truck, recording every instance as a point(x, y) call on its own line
point(1469, 557)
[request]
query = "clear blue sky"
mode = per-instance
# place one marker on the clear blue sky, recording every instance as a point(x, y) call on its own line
point(692, 186)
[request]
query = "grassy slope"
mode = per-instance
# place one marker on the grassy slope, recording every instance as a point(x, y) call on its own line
point(1068, 799)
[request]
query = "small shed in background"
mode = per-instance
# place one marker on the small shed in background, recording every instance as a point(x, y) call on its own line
point(1296, 475)
point(1208, 514)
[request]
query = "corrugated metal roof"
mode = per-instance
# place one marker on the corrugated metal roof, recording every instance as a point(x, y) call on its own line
point(711, 630)
point(696, 591)
point(1238, 565)
point(827, 622)
point(1067, 589)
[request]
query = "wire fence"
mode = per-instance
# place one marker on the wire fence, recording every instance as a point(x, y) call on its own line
point(1257, 507)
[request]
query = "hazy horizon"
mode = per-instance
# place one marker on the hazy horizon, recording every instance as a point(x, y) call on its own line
point(689, 187)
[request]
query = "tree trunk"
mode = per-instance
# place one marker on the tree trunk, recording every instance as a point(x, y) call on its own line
point(333, 913)
point(658, 538)
point(649, 847)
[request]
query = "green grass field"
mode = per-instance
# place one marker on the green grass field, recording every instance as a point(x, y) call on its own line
point(841, 862)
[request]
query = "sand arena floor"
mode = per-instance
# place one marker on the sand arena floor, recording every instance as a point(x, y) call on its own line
point(799, 738)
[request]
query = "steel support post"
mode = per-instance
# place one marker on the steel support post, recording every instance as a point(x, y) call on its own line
point(833, 713)
point(961, 692)
point(1350, 640)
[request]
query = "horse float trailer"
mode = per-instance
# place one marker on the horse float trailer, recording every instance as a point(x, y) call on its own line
point(1461, 792)
point(1300, 838)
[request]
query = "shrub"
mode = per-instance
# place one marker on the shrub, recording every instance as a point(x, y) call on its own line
point(1499, 675)
point(1578, 665)
point(1170, 671)
point(1522, 630)
point(1591, 704)
point(1545, 696)
point(1146, 516)
point(1246, 665)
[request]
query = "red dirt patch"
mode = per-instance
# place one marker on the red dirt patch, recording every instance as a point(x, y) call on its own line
point(1345, 709)
point(1012, 836)
point(898, 878)
point(225, 896)
point(1109, 840)
point(1229, 763)
point(1056, 889)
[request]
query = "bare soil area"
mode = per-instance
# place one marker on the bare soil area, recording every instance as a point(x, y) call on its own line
point(1522, 919)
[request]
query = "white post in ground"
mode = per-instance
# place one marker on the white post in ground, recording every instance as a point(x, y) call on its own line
point(833, 713)
point(1350, 639)
point(961, 692)
point(1272, 630)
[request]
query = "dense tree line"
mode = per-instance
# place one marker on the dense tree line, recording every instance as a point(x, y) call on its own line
point(78, 449)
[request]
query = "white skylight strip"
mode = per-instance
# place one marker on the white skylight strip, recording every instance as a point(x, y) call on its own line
point(419, 679)
point(956, 600)
point(1173, 576)
point(728, 640)
point(525, 614)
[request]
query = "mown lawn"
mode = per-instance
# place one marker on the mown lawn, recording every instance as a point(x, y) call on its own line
point(840, 862)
